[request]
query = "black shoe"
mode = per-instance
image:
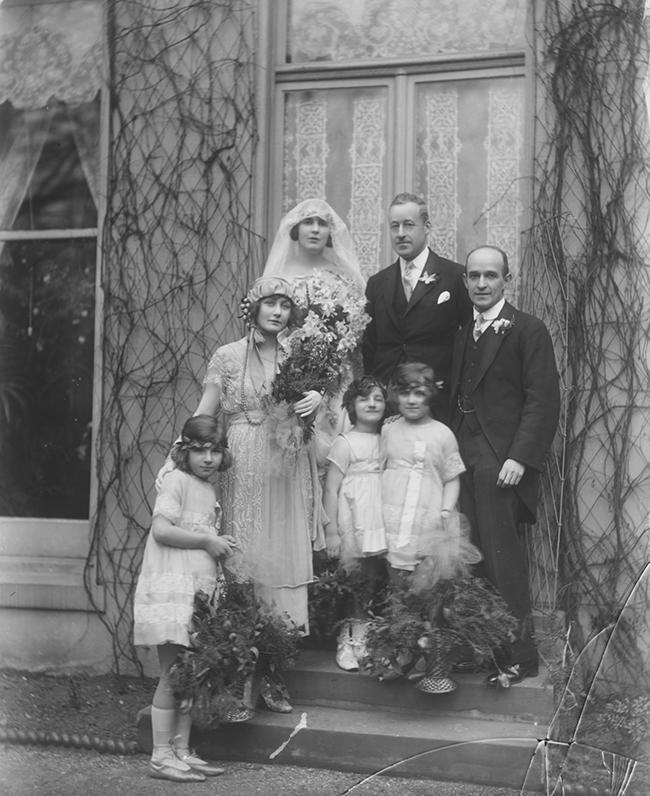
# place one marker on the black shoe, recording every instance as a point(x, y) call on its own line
point(468, 667)
point(512, 673)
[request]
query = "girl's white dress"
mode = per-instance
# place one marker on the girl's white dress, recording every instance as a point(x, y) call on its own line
point(360, 520)
point(418, 461)
point(171, 576)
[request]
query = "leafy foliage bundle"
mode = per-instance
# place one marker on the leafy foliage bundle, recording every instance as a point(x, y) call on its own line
point(467, 610)
point(333, 594)
point(235, 637)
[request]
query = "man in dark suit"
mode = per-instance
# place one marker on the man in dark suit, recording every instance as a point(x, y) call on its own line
point(417, 304)
point(504, 411)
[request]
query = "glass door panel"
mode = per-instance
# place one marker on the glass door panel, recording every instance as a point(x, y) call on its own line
point(469, 162)
point(458, 142)
point(335, 142)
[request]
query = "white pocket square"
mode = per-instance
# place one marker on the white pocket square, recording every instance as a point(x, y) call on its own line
point(444, 296)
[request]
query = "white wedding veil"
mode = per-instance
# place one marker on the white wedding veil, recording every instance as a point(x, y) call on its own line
point(341, 254)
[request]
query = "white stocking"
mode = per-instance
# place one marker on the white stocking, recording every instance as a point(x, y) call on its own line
point(182, 734)
point(163, 722)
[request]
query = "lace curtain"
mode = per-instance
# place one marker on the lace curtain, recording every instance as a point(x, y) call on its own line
point(50, 52)
point(334, 30)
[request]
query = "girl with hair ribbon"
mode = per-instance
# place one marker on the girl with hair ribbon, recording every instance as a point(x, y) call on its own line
point(181, 557)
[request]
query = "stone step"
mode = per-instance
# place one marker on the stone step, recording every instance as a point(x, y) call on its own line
point(406, 743)
point(317, 680)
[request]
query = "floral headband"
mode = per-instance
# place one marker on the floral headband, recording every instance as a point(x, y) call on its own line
point(187, 443)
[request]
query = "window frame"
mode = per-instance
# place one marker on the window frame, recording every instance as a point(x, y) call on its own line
point(43, 561)
point(275, 77)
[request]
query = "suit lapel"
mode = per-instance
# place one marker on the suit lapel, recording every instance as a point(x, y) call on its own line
point(492, 343)
point(388, 289)
point(460, 344)
point(421, 289)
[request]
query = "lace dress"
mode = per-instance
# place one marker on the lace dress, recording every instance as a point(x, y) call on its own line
point(267, 500)
point(360, 520)
point(171, 576)
point(419, 460)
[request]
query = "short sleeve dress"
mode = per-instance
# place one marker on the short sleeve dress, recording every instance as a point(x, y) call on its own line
point(360, 520)
point(171, 576)
point(418, 461)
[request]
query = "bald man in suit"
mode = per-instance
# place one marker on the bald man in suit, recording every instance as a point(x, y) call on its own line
point(504, 411)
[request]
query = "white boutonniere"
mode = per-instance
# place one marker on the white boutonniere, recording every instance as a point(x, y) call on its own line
point(503, 325)
point(429, 279)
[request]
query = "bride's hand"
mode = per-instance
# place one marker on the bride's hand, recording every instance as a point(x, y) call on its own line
point(309, 404)
point(167, 467)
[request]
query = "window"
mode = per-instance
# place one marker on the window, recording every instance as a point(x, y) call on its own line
point(48, 237)
point(384, 96)
point(50, 81)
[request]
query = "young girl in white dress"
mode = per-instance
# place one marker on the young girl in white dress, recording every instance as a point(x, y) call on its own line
point(181, 558)
point(354, 529)
point(420, 484)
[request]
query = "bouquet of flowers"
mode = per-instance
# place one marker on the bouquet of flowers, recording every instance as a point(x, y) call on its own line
point(234, 638)
point(333, 318)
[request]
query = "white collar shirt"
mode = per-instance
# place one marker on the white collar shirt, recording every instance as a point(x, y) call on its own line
point(490, 314)
point(419, 262)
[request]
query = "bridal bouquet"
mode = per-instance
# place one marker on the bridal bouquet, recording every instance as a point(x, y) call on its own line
point(333, 318)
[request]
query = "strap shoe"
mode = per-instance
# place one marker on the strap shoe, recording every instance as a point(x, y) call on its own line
point(512, 673)
point(198, 764)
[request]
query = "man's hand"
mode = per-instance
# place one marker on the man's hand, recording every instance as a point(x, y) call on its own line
point(511, 473)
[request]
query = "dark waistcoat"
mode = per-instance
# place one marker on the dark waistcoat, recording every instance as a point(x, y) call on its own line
point(471, 361)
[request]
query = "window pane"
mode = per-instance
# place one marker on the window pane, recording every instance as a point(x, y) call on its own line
point(49, 161)
point(469, 163)
point(367, 29)
point(334, 148)
point(47, 307)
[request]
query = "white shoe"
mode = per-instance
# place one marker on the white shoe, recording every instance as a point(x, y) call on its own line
point(345, 657)
point(198, 764)
point(358, 641)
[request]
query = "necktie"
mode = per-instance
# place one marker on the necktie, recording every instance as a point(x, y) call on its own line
point(406, 279)
point(478, 322)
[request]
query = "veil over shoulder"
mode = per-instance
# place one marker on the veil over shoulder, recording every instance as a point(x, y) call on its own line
point(341, 254)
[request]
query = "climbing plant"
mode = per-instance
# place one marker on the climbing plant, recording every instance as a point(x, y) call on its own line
point(586, 274)
point(178, 253)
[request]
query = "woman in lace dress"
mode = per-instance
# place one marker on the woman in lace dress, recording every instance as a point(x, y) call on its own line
point(268, 504)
